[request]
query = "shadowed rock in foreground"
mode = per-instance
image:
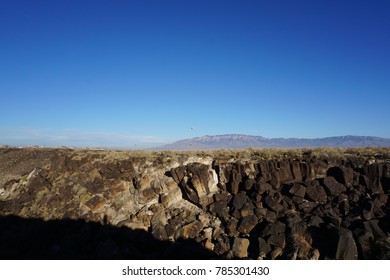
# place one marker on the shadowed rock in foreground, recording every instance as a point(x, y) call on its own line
point(69, 239)
point(123, 205)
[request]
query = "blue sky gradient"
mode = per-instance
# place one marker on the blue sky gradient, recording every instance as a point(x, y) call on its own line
point(122, 73)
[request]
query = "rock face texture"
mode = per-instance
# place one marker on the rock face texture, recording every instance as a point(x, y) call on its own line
point(306, 208)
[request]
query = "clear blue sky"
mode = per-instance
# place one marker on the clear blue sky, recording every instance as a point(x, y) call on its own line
point(121, 73)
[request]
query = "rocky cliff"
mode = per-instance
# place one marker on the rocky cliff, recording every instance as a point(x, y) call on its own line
point(75, 202)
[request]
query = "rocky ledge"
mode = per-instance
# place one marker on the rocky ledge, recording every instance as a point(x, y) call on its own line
point(289, 208)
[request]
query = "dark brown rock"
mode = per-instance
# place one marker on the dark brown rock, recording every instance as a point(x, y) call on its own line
point(373, 228)
point(175, 222)
point(307, 170)
point(198, 185)
point(95, 203)
point(276, 253)
point(365, 241)
point(304, 168)
point(222, 245)
point(188, 192)
point(270, 216)
point(263, 187)
point(142, 183)
point(118, 186)
point(344, 175)
point(298, 190)
point(158, 223)
point(273, 201)
point(346, 247)
point(263, 167)
point(382, 249)
point(147, 195)
point(95, 186)
point(288, 203)
point(367, 214)
point(169, 229)
point(260, 212)
point(307, 206)
point(231, 226)
point(383, 198)
point(235, 181)
point(239, 200)
point(320, 168)
point(277, 240)
point(126, 167)
point(348, 176)
point(247, 209)
point(178, 173)
point(274, 233)
point(110, 171)
point(274, 229)
point(297, 200)
point(235, 213)
point(64, 163)
point(221, 197)
point(247, 224)
point(344, 207)
point(296, 171)
point(375, 187)
point(200, 172)
point(265, 177)
point(315, 221)
point(264, 248)
point(240, 247)
point(333, 220)
point(385, 180)
point(174, 195)
point(354, 196)
point(190, 230)
point(285, 171)
point(333, 187)
point(159, 232)
point(249, 184)
point(276, 181)
point(373, 171)
point(316, 192)
point(219, 208)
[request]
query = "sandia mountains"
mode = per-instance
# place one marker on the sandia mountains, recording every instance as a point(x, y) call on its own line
point(239, 141)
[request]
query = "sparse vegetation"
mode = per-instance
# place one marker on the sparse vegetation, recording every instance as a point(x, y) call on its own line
point(236, 154)
point(273, 153)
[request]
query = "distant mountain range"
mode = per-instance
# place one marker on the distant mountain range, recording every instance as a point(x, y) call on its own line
point(239, 141)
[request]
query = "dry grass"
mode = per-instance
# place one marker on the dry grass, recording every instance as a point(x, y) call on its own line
point(236, 154)
point(255, 153)
point(279, 153)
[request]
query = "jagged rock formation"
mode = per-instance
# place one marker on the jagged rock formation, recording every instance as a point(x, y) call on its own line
point(235, 208)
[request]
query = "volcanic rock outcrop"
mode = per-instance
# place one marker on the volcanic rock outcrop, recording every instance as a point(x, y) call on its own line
point(304, 208)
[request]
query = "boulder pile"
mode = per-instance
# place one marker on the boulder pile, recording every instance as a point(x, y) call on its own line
point(256, 209)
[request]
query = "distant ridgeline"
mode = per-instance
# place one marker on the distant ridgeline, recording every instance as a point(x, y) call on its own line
point(238, 141)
